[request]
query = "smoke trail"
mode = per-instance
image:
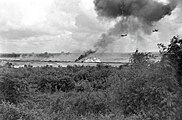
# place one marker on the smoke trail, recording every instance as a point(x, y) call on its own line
point(137, 17)
point(87, 53)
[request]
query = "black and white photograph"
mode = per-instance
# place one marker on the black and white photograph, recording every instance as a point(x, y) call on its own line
point(90, 59)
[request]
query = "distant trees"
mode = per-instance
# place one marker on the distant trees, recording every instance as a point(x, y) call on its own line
point(14, 55)
point(141, 59)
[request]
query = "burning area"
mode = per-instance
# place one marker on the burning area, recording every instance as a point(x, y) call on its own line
point(85, 54)
point(135, 18)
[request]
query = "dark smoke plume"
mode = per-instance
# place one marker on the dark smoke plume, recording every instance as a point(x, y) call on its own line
point(136, 17)
point(147, 10)
point(84, 55)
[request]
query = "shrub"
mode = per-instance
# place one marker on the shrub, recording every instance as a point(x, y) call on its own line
point(50, 84)
point(172, 55)
point(11, 111)
point(140, 59)
point(153, 94)
point(82, 103)
point(14, 90)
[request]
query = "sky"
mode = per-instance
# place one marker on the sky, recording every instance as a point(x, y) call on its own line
point(70, 25)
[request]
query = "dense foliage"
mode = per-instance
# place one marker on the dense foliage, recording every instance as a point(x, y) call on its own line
point(173, 55)
point(142, 90)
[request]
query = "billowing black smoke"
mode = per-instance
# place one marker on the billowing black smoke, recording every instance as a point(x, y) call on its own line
point(136, 17)
point(85, 54)
point(147, 10)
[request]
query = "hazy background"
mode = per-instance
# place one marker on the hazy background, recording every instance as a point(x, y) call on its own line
point(75, 26)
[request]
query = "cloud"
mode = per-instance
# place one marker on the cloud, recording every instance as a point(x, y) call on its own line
point(21, 33)
point(51, 25)
point(85, 22)
point(69, 25)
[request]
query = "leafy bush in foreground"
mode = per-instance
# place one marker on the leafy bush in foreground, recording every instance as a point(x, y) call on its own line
point(172, 55)
point(139, 91)
point(10, 111)
point(14, 90)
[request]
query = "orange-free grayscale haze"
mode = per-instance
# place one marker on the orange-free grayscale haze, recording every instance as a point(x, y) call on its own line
point(79, 25)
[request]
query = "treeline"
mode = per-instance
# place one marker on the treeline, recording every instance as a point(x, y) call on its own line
point(41, 55)
point(17, 55)
point(10, 55)
point(142, 90)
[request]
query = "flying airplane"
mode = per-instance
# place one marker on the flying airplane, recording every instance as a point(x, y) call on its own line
point(123, 35)
point(155, 30)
